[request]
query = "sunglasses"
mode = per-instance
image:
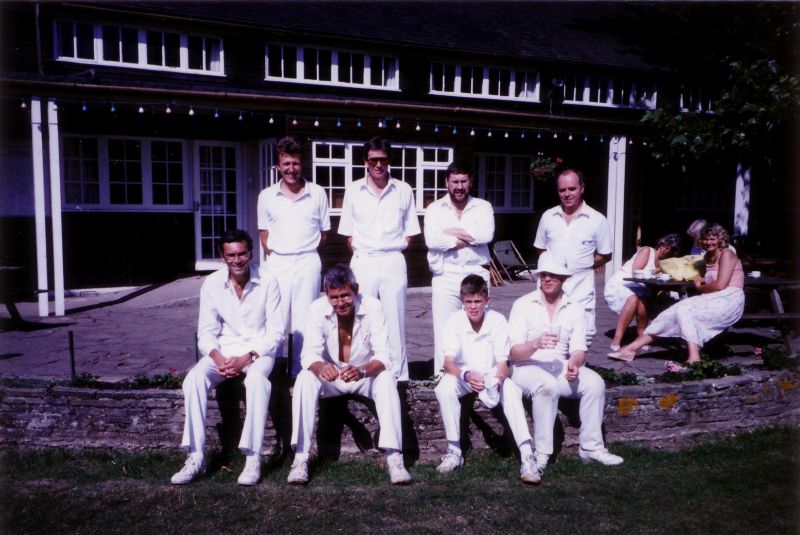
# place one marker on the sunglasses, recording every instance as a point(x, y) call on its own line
point(376, 161)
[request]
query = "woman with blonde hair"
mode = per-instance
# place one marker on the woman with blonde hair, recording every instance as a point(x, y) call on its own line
point(719, 305)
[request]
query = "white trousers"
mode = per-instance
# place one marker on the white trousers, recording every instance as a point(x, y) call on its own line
point(385, 278)
point(451, 388)
point(580, 287)
point(446, 299)
point(545, 382)
point(203, 377)
point(382, 389)
point(298, 279)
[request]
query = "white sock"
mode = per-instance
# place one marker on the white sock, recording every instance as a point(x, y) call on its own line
point(525, 450)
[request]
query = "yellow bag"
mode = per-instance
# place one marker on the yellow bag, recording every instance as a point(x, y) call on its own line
point(685, 268)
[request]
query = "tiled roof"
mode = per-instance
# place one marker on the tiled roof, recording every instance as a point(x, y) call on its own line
point(607, 34)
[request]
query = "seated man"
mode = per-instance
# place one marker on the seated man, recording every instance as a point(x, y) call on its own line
point(238, 331)
point(546, 330)
point(344, 352)
point(475, 344)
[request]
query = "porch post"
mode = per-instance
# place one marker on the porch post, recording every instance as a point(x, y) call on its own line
point(741, 207)
point(39, 206)
point(55, 205)
point(616, 199)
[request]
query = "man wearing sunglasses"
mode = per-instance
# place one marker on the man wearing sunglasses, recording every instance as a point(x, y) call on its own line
point(379, 219)
point(345, 353)
point(239, 329)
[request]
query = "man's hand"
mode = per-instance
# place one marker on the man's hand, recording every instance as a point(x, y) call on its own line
point(349, 374)
point(326, 371)
point(475, 381)
point(572, 372)
point(460, 234)
point(548, 340)
point(233, 366)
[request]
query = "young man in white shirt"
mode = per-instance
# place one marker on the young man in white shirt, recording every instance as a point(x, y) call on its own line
point(293, 222)
point(379, 219)
point(345, 352)
point(239, 329)
point(580, 234)
point(475, 341)
point(548, 351)
point(458, 229)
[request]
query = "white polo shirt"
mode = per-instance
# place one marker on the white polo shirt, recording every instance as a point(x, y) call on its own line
point(379, 223)
point(477, 219)
point(529, 318)
point(587, 233)
point(294, 225)
point(479, 351)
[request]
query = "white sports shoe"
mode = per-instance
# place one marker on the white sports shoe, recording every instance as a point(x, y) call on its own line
point(530, 472)
point(252, 471)
point(193, 467)
point(397, 470)
point(450, 462)
point(298, 475)
point(602, 456)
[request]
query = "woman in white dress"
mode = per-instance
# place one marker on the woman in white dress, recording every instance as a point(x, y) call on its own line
point(629, 299)
point(719, 305)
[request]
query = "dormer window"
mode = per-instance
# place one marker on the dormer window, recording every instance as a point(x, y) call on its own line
point(483, 82)
point(609, 92)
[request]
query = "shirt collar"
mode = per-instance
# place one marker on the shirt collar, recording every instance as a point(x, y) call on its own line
point(279, 191)
point(446, 201)
point(582, 210)
point(255, 278)
point(359, 312)
point(537, 297)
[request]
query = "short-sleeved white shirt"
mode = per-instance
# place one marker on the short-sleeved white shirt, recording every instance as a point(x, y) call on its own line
point(379, 223)
point(529, 318)
point(294, 225)
point(587, 233)
point(473, 351)
point(477, 219)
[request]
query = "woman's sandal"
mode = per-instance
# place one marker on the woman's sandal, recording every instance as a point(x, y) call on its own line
point(619, 355)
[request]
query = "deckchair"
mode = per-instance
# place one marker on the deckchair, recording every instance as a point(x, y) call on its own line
point(510, 261)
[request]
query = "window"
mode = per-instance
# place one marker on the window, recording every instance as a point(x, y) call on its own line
point(696, 100)
point(331, 67)
point(338, 163)
point(609, 92)
point(140, 48)
point(103, 173)
point(505, 181)
point(484, 82)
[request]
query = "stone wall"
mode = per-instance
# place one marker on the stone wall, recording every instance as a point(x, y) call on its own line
point(660, 415)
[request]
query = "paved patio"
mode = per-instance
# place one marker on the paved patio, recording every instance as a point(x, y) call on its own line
point(151, 330)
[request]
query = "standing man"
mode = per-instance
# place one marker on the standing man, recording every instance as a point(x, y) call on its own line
point(238, 331)
point(458, 228)
point(548, 350)
point(581, 234)
point(345, 353)
point(293, 222)
point(379, 219)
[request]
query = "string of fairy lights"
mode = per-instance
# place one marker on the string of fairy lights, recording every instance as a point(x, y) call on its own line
point(534, 133)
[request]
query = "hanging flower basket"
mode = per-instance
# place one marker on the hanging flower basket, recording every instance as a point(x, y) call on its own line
point(544, 167)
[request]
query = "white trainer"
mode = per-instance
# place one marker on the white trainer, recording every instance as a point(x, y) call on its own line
point(252, 471)
point(397, 470)
point(530, 472)
point(298, 475)
point(602, 456)
point(193, 467)
point(450, 462)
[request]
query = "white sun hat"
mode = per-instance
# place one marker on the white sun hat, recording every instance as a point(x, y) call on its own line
point(550, 262)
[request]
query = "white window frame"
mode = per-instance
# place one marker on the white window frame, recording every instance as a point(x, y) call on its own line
point(392, 78)
point(693, 99)
point(141, 62)
point(103, 161)
point(505, 207)
point(644, 94)
point(482, 89)
point(354, 171)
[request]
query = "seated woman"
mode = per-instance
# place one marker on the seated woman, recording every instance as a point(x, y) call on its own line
point(629, 299)
point(702, 317)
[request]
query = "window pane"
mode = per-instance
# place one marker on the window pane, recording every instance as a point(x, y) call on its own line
point(338, 151)
point(344, 67)
point(172, 50)
point(85, 34)
point(437, 72)
point(450, 78)
point(310, 63)
point(505, 83)
point(376, 70)
point(160, 194)
point(289, 62)
point(322, 150)
point(274, 60)
point(65, 43)
point(325, 65)
point(358, 68)
point(195, 44)
point(154, 48)
point(130, 45)
point(213, 48)
point(323, 176)
point(175, 194)
point(110, 43)
point(135, 194)
point(494, 82)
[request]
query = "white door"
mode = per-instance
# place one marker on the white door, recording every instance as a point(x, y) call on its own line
point(217, 183)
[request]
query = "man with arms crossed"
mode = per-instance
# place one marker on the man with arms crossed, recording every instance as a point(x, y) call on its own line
point(458, 228)
point(379, 219)
point(238, 331)
point(293, 222)
point(475, 342)
point(581, 235)
point(345, 352)
point(548, 350)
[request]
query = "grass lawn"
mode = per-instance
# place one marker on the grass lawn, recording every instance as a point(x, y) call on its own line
point(747, 484)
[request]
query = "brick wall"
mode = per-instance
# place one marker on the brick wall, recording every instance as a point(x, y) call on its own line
point(661, 415)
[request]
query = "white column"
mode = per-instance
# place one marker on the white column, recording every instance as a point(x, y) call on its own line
point(616, 199)
point(39, 205)
point(741, 207)
point(55, 205)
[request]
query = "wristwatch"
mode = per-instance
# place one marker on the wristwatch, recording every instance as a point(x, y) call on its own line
point(363, 372)
point(253, 356)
